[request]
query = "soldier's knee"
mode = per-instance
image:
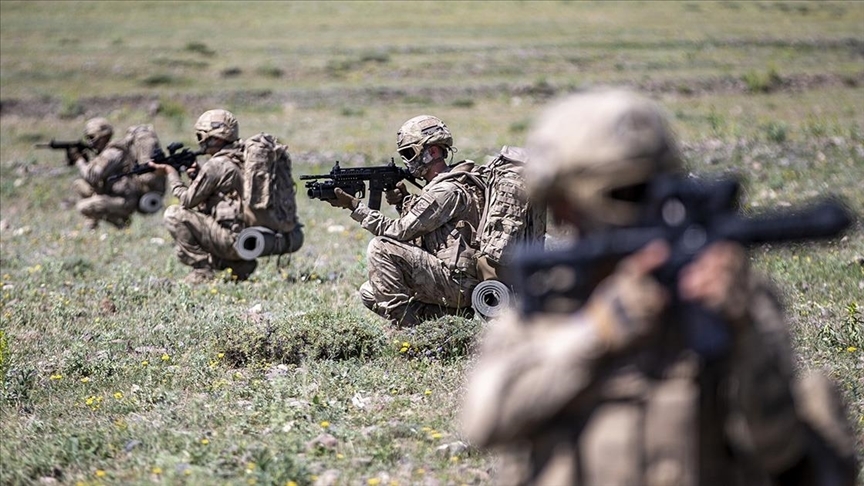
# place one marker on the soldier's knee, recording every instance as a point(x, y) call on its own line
point(367, 295)
point(379, 249)
point(172, 215)
point(87, 208)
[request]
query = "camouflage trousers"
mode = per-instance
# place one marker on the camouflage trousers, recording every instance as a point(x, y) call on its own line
point(116, 209)
point(401, 274)
point(200, 241)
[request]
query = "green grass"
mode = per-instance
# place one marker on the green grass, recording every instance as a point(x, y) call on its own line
point(113, 372)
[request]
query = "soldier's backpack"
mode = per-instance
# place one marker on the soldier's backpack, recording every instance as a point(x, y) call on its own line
point(139, 142)
point(269, 194)
point(509, 218)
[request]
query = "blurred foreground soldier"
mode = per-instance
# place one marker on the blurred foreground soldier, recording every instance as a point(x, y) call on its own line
point(115, 201)
point(422, 265)
point(209, 217)
point(612, 394)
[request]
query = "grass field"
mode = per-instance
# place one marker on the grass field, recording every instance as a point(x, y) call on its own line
point(114, 372)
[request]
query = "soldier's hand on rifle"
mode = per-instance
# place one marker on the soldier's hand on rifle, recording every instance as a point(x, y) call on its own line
point(344, 200)
point(395, 196)
point(162, 169)
point(626, 306)
point(718, 280)
point(72, 155)
point(192, 170)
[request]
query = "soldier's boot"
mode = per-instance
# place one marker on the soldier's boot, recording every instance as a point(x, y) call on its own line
point(405, 317)
point(91, 224)
point(120, 222)
point(241, 270)
point(429, 312)
point(200, 275)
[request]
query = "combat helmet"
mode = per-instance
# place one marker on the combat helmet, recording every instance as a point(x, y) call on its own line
point(418, 133)
point(597, 149)
point(221, 124)
point(97, 128)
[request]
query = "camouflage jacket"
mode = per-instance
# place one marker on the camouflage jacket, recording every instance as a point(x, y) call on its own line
point(442, 219)
point(113, 160)
point(119, 157)
point(561, 409)
point(217, 189)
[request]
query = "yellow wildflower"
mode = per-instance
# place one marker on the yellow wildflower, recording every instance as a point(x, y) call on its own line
point(118, 395)
point(436, 435)
point(290, 483)
point(85, 380)
point(220, 355)
point(340, 456)
point(100, 473)
point(373, 481)
point(851, 349)
point(157, 470)
point(421, 471)
point(325, 424)
point(454, 458)
point(145, 363)
point(165, 357)
point(204, 441)
point(56, 377)
point(427, 392)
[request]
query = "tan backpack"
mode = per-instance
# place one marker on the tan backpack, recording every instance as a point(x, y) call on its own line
point(509, 218)
point(269, 195)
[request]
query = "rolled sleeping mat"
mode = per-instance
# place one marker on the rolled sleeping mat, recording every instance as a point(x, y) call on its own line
point(150, 202)
point(258, 241)
point(491, 298)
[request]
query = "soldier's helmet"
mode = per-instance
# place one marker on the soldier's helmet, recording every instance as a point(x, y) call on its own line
point(96, 128)
point(418, 133)
point(221, 124)
point(597, 150)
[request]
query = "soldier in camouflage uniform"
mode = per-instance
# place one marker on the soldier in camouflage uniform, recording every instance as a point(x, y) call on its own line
point(114, 201)
point(613, 395)
point(422, 264)
point(209, 217)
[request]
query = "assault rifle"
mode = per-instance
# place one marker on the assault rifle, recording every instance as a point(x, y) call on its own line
point(69, 147)
point(177, 158)
point(688, 214)
point(353, 181)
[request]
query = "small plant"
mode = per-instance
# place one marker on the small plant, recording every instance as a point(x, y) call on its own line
point(231, 72)
point(716, 121)
point(463, 103)
point(71, 108)
point(271, 71)
point(350, 111)
point(775, 131)
point(762, 82)
point(159, 80)
point(377, 57)
point(200, 48)
point(519, 126)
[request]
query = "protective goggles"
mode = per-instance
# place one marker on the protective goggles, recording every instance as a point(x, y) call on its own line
point(410, 152)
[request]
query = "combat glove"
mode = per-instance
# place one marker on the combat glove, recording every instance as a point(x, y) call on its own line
point(626, 305)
